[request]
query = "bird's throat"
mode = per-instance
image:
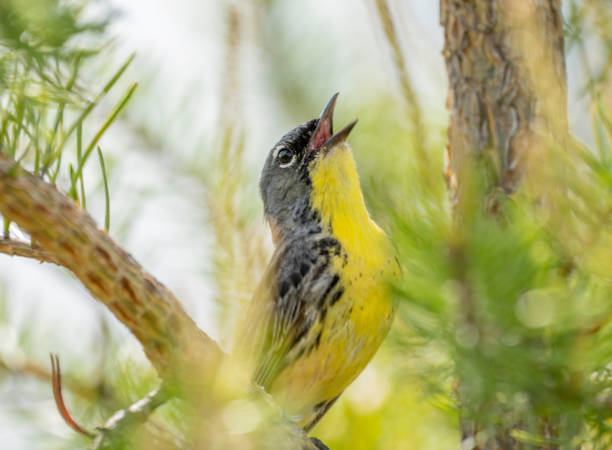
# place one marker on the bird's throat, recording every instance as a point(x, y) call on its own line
point(336, 196)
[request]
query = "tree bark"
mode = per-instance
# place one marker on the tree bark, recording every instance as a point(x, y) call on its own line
point(507, 85)
point(507, 101)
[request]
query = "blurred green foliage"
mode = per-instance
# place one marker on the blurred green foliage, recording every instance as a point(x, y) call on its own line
point(43, 48)
point(534, 278)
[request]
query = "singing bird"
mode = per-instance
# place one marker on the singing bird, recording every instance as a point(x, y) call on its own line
point(323, 306)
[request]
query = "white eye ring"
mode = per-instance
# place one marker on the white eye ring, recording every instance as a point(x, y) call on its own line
point(289, 163)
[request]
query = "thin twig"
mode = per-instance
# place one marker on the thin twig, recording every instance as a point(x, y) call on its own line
point(125, 419)
point(118, 423)
point(14, 247)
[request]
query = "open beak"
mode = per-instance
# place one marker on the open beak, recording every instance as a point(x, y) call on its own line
point(323, 138)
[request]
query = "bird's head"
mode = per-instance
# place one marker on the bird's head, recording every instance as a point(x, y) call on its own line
point(309, 176)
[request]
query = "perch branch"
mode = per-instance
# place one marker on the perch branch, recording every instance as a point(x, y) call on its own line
point(124, 419)
point(68, 236)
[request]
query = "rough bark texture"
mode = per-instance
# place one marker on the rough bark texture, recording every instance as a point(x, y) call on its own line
point(502, 58)
point(507, 98)
point(68, 236)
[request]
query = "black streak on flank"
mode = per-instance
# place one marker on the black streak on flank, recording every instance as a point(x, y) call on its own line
point(319, 271)
point(323, 305)
point(328, 243)
point(329, 247)
point(344, 259)
point(331, 285)
point(323, 313)
point(336, 296)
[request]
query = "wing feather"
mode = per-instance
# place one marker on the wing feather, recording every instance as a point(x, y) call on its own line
point(286, 306)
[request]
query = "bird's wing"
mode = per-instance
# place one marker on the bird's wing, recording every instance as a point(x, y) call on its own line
point(286, 305)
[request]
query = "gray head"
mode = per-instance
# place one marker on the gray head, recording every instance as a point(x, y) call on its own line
point(285, 183)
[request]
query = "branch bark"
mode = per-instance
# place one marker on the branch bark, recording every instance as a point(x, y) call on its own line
point(68, 236)
point(507, 85)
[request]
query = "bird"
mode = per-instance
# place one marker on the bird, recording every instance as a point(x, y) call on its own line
point(324, 304)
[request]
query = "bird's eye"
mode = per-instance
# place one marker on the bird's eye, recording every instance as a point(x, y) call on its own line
point(285, 157)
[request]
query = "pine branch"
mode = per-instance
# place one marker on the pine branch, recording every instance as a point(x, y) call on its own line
point(124, 419)
point(68, 236)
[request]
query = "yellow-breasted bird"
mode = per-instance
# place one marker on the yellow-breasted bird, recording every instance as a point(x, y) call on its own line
point(323, 306)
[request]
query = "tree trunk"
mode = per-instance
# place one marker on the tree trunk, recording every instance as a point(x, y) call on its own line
point(507, 84)
point(507, 100)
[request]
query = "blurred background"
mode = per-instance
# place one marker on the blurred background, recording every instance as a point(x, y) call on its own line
point(218, 84)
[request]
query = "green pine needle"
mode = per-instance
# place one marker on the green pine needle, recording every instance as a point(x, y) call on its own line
point(107, 123)
point(106, 192)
